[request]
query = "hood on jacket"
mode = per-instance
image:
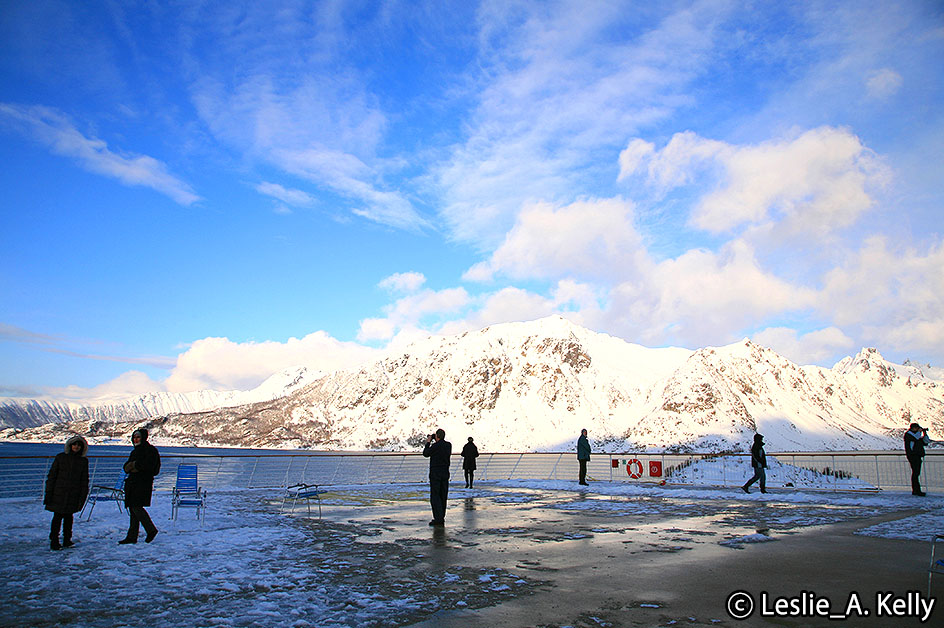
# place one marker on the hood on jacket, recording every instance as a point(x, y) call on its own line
point(142, 432)
point(77, 439)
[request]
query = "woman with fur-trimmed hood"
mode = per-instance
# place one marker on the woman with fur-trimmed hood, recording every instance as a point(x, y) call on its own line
point(67, 487)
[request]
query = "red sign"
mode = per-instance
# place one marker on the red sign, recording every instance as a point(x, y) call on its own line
point(655, 468)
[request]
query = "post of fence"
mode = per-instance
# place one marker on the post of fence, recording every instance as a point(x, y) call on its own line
point(878, 474)
point(216, 477)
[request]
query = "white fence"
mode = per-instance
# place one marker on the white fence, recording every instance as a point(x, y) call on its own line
point(24, 476)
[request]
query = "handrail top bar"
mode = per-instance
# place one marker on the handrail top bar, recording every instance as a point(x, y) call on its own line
point(621, 454)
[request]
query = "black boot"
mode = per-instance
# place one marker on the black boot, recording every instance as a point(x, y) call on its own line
point(67, 543)
point(54, 544)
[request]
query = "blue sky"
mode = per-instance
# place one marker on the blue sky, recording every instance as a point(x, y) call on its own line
point(197, 195)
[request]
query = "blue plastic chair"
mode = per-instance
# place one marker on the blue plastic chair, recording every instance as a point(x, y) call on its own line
point(98, 493)
point(187, 492)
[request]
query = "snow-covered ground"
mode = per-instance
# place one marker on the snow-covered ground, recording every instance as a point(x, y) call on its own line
point(372, 561)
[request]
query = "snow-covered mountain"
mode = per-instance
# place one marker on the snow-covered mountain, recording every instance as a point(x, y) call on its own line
point(533, 386)
point(19, 413)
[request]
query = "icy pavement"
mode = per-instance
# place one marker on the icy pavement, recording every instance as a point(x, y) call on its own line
point(373, 561)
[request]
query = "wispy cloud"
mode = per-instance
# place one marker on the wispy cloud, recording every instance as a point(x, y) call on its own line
point(558, 92)
point(57, 132)
point(297, 102)
point(59, 344)
point(293, 197)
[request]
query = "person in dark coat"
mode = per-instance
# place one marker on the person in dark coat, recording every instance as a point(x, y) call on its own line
point(583, 455)
point(915, 439)
point(439, 452)
point(143, 464)
point(67, 487)
point(758, 463)
point(469, 453)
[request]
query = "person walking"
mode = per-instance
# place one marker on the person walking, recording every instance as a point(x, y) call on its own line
point(583, 455)
point(67, 487)
point(915, 439)
point(469, 453)
point(439, 452)
point(142, 465)
point(758, 463)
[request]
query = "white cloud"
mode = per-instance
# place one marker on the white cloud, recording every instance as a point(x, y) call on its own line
point(408, 311)
point(53, 129)
point(632, 157)
point(129, 384)
point(895, 297)
point(594, 238)
point(507, 305)
point(221, 364)
point(810, 348)
point(812, 184)
point(884, 83)
point(703, 297)
point(403, 282)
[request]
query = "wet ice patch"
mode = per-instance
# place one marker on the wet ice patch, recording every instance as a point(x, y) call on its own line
point(918, 527)
point(740, 542)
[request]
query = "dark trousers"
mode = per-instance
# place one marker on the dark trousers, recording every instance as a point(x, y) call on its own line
point(583, 471)
point(63, 520)
point(139, 517)
point(759, 474)
point(915, 463)
point(438, 493)
point(469, 473)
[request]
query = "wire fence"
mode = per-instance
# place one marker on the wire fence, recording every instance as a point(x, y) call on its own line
point(24, 476)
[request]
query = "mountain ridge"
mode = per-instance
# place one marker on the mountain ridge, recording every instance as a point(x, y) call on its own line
point(533, 386)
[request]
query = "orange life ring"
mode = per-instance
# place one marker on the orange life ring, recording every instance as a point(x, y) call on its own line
point(634, 468)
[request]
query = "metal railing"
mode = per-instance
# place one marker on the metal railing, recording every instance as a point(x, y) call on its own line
point(24, 476)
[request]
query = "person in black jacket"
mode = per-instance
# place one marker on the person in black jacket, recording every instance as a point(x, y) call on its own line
point(915, 439)
point(759, 463)
point(469, 453)
point(583, 456)
point(439, 452)
point(142, 465)
point(67, 487)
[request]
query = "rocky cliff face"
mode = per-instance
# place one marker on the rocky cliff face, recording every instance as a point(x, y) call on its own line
point(533, 386)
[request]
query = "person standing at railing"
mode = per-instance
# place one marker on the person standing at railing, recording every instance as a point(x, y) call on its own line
point(439, 452)
point(915, 439)
point(758, 463)
point(583, 455)
point(469, 453)
point(143, 464)
point(67, 487)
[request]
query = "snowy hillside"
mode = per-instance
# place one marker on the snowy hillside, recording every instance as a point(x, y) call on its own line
point(533, 386)
point(17, 413)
